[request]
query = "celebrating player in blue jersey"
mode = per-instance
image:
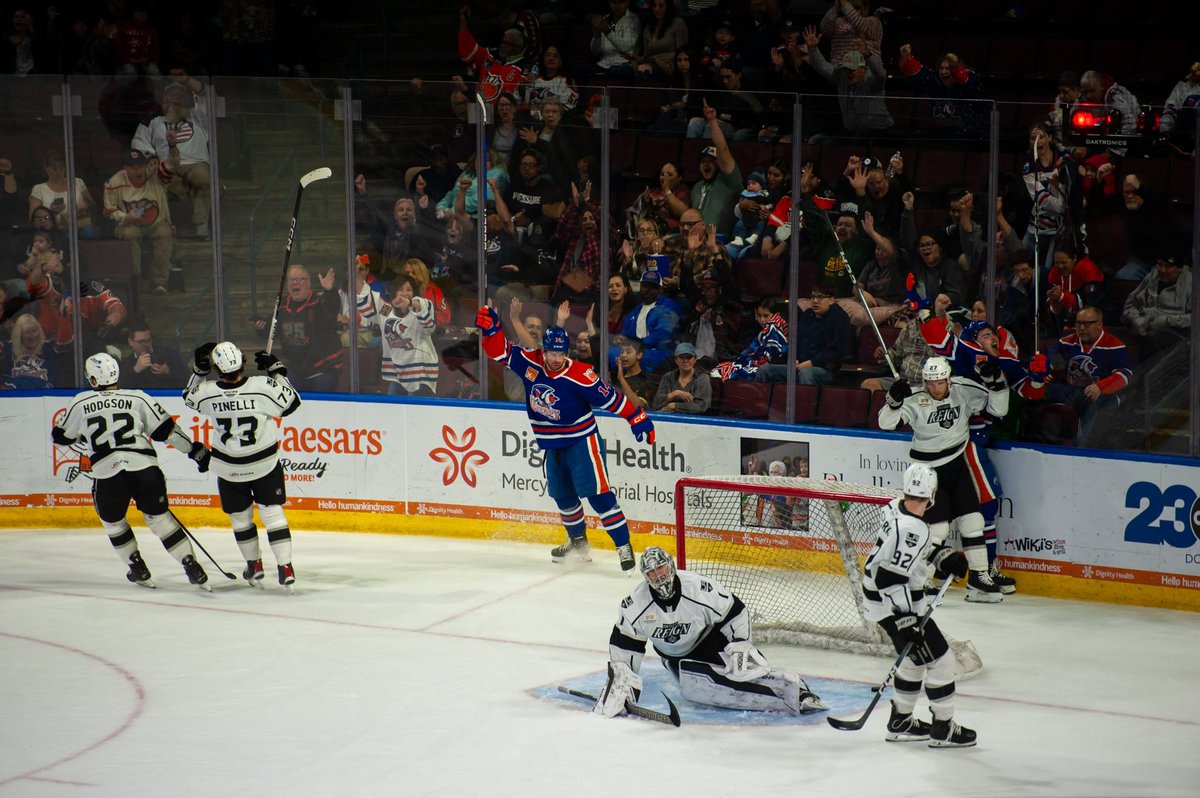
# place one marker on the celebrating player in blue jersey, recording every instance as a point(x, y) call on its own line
point(560, 394)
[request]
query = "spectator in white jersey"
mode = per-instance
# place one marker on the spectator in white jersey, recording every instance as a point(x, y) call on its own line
point(115, 428)
point(246, 448)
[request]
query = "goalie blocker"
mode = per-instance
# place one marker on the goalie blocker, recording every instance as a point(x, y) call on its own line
point(702, 633)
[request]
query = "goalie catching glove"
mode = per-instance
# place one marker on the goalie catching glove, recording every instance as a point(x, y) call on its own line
point(899, 391)
point(270, 364)
point(744, 662)
point(641, 425)
point(202, 357)
point(623, 686)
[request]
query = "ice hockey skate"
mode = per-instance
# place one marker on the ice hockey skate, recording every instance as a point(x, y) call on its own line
point(948, 734)
point(578, 547)
point(287, 577)
point(904, 728)
point(1007, 584)
point(981, 589)
point(139, 574)
point(254, 573)
point(625, 555)
point(195, 573)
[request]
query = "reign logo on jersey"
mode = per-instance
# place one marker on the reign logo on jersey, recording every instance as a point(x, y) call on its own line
point(944, 416)
point(671, 632)
point(542, 399)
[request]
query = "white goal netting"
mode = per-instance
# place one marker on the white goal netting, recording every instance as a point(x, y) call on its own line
point(792, 549)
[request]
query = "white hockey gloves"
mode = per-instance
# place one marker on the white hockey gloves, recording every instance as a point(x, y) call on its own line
point(623, 685)
point(744, 662)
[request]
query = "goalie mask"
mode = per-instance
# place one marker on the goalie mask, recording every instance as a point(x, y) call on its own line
point(102, 370)
point(227, 358)
point(659, 569)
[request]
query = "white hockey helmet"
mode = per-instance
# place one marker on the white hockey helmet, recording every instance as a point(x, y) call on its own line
point(102, 369)
point(662, 582)
point(227, 358)
point(920, 480)
point(936, 368)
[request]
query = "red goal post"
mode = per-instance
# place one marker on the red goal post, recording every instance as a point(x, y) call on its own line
point(792, 549)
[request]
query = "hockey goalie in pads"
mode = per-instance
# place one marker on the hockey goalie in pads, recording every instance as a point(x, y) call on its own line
point(623, 686)
point(702, 632)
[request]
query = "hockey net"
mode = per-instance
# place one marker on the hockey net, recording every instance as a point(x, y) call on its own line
point(792, 549)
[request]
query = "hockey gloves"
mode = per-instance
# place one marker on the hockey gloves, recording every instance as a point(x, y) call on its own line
point(899, 391)
point(907, 634)
point(993, 378)
point(642, 425)
point(623, 686)
point(1039, 368)
point(203, 358)
point(270, 364)
point(744, 662)
point(916, 302)
point(487, 320)
point(950, 563)
point(200, 454)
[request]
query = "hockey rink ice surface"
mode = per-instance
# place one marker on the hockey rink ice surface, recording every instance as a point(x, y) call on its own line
point(408, 666)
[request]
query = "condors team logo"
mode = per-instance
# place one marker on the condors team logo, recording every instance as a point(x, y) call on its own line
point(459, 456)
point(542, 399)
point(1081, 371)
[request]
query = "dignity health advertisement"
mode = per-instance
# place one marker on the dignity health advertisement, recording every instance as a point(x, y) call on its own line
point(1096, 521)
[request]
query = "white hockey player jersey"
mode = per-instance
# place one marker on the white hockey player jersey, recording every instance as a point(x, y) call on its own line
point(898, 567)
point(245, 443)
point(941, 428)
point(409, 356)
point(116, 427)
point(676, 627)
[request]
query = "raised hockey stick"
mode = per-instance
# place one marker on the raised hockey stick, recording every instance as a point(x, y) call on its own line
point(632, 708)
point(317, 174)
point(858, 290)
point(200, 546)
point(857, 723)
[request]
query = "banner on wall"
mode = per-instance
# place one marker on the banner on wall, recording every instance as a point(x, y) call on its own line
point(1106, 519)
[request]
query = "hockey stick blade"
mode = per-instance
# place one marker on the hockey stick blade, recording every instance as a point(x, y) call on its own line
point(320, 173)
point(671, 718)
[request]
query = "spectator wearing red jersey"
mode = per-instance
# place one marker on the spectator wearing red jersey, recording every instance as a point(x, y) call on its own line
point(307, 337)
point(1074, 284)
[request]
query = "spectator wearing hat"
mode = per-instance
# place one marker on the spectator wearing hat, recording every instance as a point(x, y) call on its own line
point(751, 212)
point(720, 49)
point(655, 321)
point(135, 200)
point(859, 78)
point(715, 324)
point(1159, 310)
point(692, 253)
point(823, 335)
point(720, 180)
point(684, 389)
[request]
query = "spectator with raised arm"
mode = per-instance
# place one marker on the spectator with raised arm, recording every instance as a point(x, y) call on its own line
point(859, 78)
point(307, 337)
point(497, 71)
point(956, 93)
point(135, 200)
point(849, 24)
point(178, 138)
point(715, 193)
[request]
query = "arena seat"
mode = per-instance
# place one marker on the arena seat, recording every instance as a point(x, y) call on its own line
point(744, 399)
point(807, 400)
point(843, 407)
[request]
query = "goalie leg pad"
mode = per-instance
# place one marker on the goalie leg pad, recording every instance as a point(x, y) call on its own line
point(623, 685)
point(170, 533)
point(779, 690)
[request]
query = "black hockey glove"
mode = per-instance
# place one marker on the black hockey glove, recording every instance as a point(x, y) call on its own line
point(993, 378)
point(906, 633)
point(270, 364)
point(899, 391)
point(203, 358)
point(950, 563)
point(201, 456)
